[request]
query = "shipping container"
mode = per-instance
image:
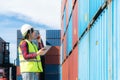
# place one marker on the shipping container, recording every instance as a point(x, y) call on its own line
point(54, 50)
point(70, 6)
point(83, 58)
point(75, 24)
point(62, 28)
point(53, 42)
point(73, 65)
point(69, 45)
point(52, 68)
point(65, 70)
point(52, 77)
point(52, 59)
point(64, 19)
point(19, 35)
point(94, 6)
point(53, 34)
point(63, 6)
point(64, 49)
point(116, 39)
point(83, 16)
point(67, 17)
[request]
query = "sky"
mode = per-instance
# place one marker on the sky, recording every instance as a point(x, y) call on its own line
point(41, 14)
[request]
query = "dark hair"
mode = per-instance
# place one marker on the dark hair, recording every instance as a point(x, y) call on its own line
point(28, 32)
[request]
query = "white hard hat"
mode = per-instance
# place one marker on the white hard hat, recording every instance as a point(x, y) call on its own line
point(25, 28)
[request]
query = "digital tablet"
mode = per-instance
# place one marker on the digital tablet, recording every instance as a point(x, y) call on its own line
point(45, 49)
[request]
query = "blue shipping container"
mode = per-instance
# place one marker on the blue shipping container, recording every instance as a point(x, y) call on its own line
point(116, 39)
point(53, 42)
point(19, 35)
point(52, 77)
point(83, 58)
point(69, 37)
point(53, 34)
point(52, 68)
point(99, 49)
point(83, 16)
point(94, 6)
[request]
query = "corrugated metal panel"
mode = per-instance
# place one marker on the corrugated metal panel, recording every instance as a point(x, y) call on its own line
point(75, 23)
point(65, 70)
point(52, 59)
point(52, 69)
point(98, 49)
point(53, 34)
point(94, 5)
point(83, 58)
point(73, 62)
point(116, 39)
point(54, 50)
point(83, 15)
point(69, 37)
point(53, 42)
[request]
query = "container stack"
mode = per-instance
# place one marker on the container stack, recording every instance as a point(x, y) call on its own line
point(52, 58)
point(69, 39)
point(90, 39)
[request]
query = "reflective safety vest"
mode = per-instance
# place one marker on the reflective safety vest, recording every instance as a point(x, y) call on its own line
point(30, 65)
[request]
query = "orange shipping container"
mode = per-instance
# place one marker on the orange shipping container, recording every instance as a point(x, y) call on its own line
point(65, 70)
point(73, 65)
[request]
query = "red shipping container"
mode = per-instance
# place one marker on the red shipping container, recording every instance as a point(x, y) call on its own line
point(52, 59)
point(18, 71)
point(75, 23)
point(54, 50)
point(65, 70)
point(73, 65)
